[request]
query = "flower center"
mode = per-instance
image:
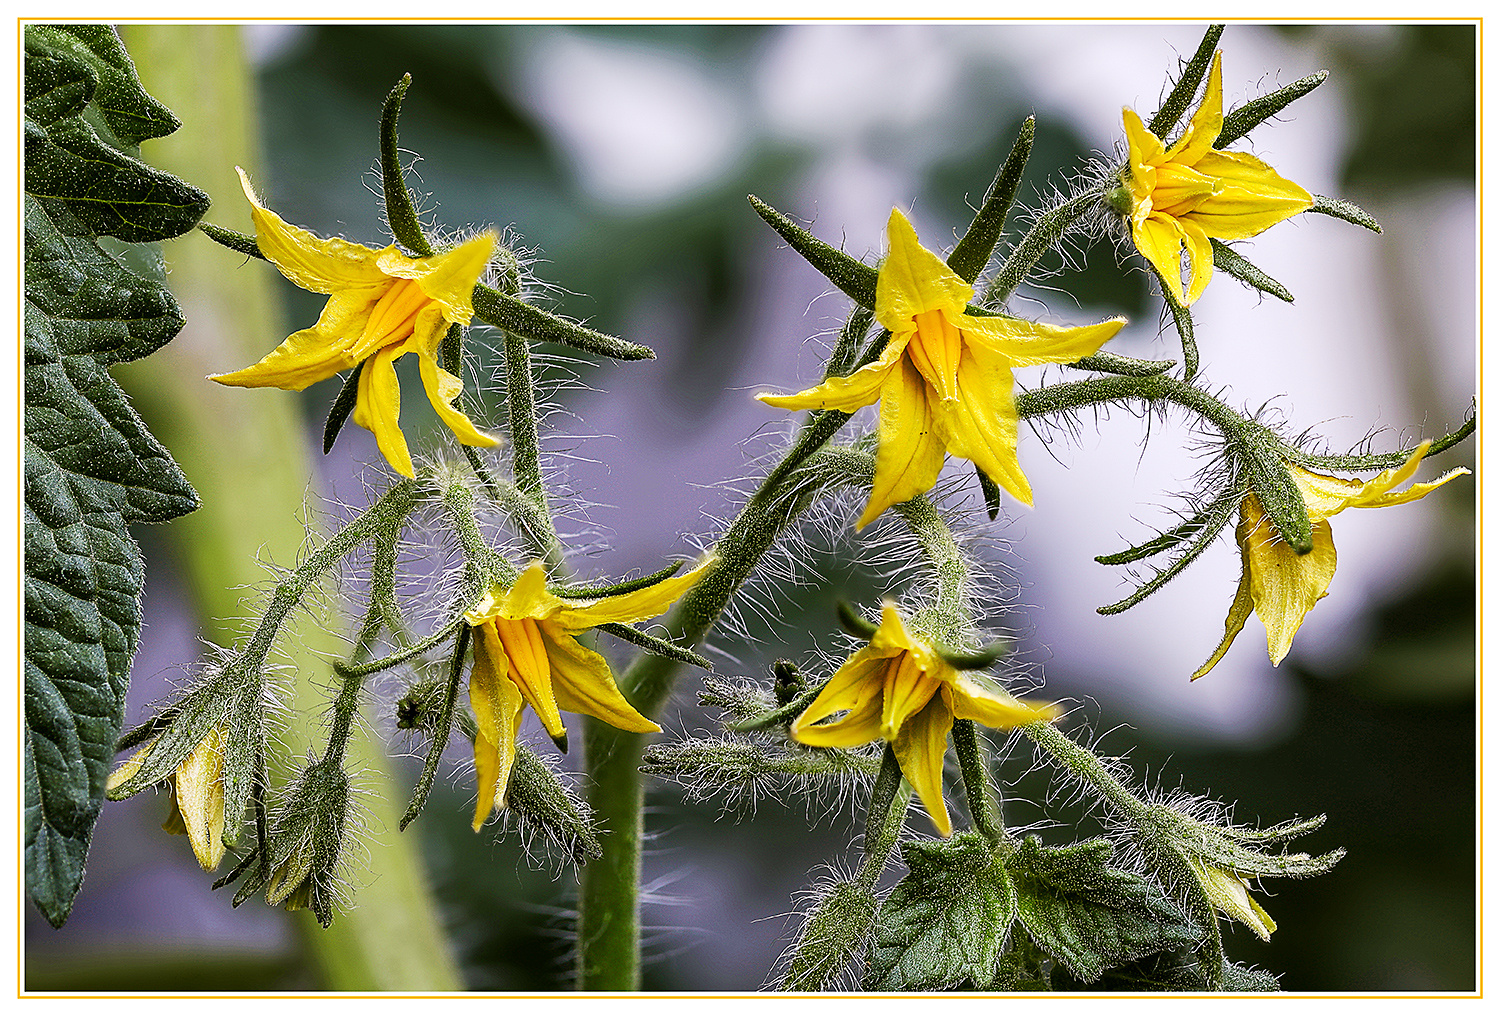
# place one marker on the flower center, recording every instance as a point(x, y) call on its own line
point(935, 350)
point(394, 316)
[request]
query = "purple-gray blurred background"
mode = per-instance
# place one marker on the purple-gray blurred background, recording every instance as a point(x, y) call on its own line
point(623, 154)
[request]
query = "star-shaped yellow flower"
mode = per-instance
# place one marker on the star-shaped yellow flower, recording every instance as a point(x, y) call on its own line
point(197, 796)
point(1183, 195)
point(1280, 585)
point(526, 653)
point(944, 380)
point(381, 306)
point(899, 689)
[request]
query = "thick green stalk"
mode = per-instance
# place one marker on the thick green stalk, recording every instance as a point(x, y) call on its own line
point(244, 452)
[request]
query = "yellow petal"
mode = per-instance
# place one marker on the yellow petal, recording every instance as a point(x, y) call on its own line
point(1207, 123)
point(920, 748)
point(377, 408)
point(199, 791)
point(1033, 343)
point(982, 426)
point(652, 601)
point(447, 278)
point(913, 280)
point(127, 769)
point(860, 725)
point(934, 349)
point(1160, 239)
point(1200, 258)
point(909, 455)
point(313, 354)
point(1231, 895)
point(999, 710)
point(442, 389)
point(1145, 148)
point(583, 683)
point(1326, 496)
point(891, 636)
point(527, 662)
point(528, 596)
point(497, 717)
point(1252, 197)
point(857, 683)
point(845, 394)
point(911, 680)
point(315, 264)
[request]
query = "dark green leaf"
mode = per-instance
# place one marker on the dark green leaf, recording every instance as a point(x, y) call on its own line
point(92, 467)
point(946, 921)
point(1087, 915)
point(1022, 967)
point(53, 52)
point(1174, 970)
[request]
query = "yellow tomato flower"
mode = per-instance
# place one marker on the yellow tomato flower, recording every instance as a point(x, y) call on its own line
point(197, 796)
point(526, 653)
point(1280, 585)
point(381, 306)
point(899, 689)
point(1230, 894)
point(944, 380)
point(1183, 195)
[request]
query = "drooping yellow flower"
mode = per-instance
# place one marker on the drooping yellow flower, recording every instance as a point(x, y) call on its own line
point(899, 689)
point(1230, 894)
point(1280, 585)
point(381, 306)
point(944, 380)
point(1186, 194)
point(197, 796)
point(526, 653)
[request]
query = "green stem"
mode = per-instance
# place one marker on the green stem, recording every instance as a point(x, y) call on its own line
point(526, 451)
point(978, 790)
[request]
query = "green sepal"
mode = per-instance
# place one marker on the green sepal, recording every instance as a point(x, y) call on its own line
point(1231, 262)
point(855, 278)
point(1274, 487)
point(945, 922)
point(1246, 118)
point(242, 243)
point(1164, 121)
point(1346, 210)
point(400, 213)
point(1202, 529)
point(342, 406)
point(654, 645)
point(787, 682)
point(1087, 915)
point(856, 327)
point(511, 315)
point(1105, 362)
point(978, 243)
point(438, 731)
point(617, 588)
point(973, 659)
point(991, 492)
point(854, 622)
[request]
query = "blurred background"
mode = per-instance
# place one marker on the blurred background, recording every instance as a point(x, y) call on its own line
point(621, 156)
